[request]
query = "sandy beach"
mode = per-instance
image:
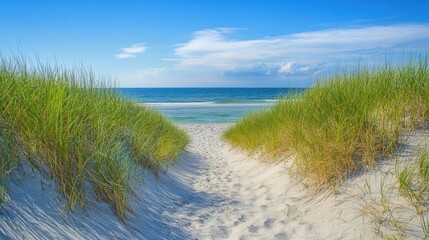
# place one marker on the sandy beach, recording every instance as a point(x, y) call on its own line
point(199, 120)
point(211, 192)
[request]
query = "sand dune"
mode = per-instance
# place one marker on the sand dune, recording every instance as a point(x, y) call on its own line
point(211, 192)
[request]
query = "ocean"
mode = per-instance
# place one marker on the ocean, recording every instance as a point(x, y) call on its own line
point(206, 105)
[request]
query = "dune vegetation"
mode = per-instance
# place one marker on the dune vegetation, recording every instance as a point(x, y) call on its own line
point(343, 124)
point(80, 132)
point(396, 203)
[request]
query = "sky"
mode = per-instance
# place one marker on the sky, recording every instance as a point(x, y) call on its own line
point(214, 43)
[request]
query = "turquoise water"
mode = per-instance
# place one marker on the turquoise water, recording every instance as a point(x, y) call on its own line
point(206, 105)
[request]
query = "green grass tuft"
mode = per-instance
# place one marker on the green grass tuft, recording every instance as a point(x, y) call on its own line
point(342, 124)
point(80, 132)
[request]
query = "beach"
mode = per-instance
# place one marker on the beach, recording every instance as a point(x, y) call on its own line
point(211, 192)
point(214, 120)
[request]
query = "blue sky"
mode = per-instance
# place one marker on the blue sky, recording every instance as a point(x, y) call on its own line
point(213, 43)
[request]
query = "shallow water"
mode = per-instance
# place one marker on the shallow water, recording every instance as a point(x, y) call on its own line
point(206, 105)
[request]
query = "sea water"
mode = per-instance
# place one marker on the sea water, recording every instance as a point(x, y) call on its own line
point(206, 105)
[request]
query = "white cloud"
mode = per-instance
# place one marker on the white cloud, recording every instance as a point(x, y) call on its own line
point(149, 77)
point(153, 71)
point(145, 73)
point(132, 51)
point(218, 57)
point(286, 68)
point(282, 70)
point(215, 49)
point(124, 55)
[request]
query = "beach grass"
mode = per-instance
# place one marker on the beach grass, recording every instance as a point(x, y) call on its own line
point(342, 124)
point(80, 132)
point(397, 207)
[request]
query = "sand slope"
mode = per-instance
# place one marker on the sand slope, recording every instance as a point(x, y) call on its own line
point(212, 192)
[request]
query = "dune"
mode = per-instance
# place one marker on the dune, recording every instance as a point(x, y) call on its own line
point(211, 192)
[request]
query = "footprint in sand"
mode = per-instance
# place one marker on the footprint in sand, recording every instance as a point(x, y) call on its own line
point(222, 232)
point(281, 235)
point(245, 237)
point(254, 229)
point(264, 207)
point(268, 224)
point(269, 197)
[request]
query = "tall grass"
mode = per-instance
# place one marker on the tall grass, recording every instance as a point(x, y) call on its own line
point(80, 132)
point(345, 123)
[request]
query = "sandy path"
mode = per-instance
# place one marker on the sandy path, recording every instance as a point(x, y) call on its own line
point(239, 205)
point(249, 199)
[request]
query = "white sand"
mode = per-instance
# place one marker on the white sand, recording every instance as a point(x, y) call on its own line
point(211, 192)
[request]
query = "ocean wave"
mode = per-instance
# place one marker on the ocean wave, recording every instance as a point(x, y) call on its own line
point(263, 102)
point(177, 103)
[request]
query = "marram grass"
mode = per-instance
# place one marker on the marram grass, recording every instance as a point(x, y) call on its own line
point(345, 123)
point(80, 132)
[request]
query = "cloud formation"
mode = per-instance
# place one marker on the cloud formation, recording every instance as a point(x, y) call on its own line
point(295, 54)
point(132, 51)
point(216, 57)
point(281, 70)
